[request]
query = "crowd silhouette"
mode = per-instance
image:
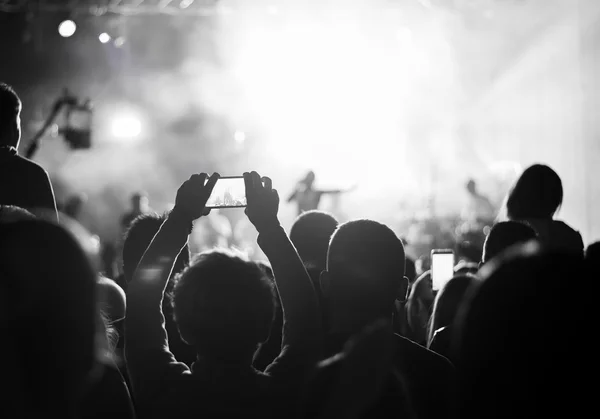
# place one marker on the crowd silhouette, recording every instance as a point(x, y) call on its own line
point(336, 322)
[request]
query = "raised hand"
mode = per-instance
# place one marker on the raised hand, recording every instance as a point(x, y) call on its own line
point(263, 201)
point(193, 194)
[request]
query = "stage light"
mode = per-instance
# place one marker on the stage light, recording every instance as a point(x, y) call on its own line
point(104, 37)
point(67, 28)
point(126, 127)
point(119, 42)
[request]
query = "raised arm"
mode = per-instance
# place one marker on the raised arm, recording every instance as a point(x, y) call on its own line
point(301, 320)
point(146, 344)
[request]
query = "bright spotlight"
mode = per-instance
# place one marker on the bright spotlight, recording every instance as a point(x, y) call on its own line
point(239, 137)
point(126, 126)
point(104, 37)
point(67, 28)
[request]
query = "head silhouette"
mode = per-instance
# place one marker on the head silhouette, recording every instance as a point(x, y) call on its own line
point(365, 271)
point(223, 305)
point(49, 317)
point(309, 179)
point(310, 234)
point(504, 235)
point(138, 238)
point(448, 302)
point(418, 307)
point(517, 355)
point(538, 193)
point(472, 187)
point(10, 117)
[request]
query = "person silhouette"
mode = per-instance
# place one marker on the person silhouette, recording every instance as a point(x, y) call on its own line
point(307, 198)
point(23, 183)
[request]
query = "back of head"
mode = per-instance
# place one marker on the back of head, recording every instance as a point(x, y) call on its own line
point(11, 213)
point(223, 305)
point(518, 349)
point(10, 109)
point(310, 234)
point(504, 235)
point(137, 239)
point(49, 313)
point(538, 193)
point(366, 265)
point(448, 302)
point(418, 308)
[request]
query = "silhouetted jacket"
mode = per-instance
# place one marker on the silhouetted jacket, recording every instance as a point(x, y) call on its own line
point(24, 183)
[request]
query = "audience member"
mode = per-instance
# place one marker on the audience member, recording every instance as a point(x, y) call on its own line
point(360, 381)
point(535, 198)
point(23, 183)
point(592, 257)
point(269, 350)
point(137, 239)
point(504, 235)
point(223, 307)
point(11, 213)
point(517, 354)
point(139, 206)
point(310, 234)
point(364, 276)
point(49, 317)
point(447, 303)
point(418, 309)
point(464, 267)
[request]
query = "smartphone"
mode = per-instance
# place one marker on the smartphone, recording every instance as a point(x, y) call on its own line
point(229, 192)
point(442, 267)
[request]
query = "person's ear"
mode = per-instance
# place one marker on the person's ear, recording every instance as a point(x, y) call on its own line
point(324, 282)
point(402, 291)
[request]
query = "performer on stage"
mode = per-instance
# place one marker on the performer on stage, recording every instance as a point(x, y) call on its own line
point(479, 208)
point(307, 198)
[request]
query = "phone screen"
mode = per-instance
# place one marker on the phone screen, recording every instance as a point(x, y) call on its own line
point(442, 267)
point(229, 192)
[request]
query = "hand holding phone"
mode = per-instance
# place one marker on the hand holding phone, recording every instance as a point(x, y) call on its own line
point(193, 194)
point(442, 267)
point(263, 202)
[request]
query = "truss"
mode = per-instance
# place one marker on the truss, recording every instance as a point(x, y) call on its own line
point(123, 7)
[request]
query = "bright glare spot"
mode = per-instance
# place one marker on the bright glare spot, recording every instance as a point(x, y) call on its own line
point(404, 35)
point(67, 28)
point(272, 10)
point(119, 42)
point(347, 92)
point(185, 3)
point(104, 37)
point(126, 126)
point(240, 137)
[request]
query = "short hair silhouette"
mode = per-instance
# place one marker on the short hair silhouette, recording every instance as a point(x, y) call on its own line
point(223, 305)
point(10, 108)
point(310, 234)
point(137, 239)
point(508, 338)
point(538, 193)
point(366, 261)
point(448, 302)
point(50, 309)
point(504, 235)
